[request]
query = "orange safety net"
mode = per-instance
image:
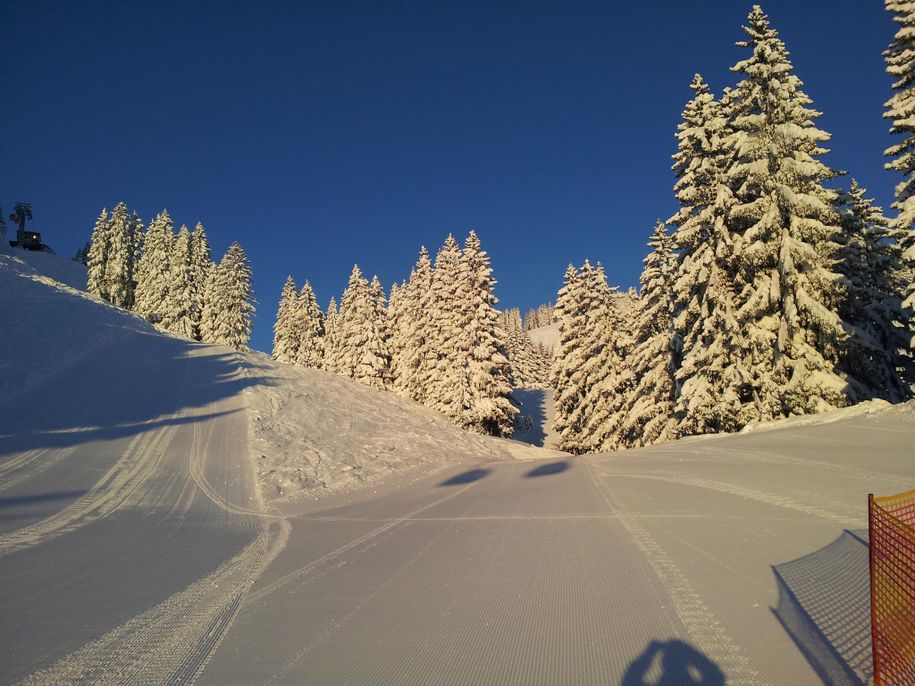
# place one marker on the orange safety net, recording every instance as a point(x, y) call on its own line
point(891, 523)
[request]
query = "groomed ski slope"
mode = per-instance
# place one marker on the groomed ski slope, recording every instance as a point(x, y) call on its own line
point(135, 547)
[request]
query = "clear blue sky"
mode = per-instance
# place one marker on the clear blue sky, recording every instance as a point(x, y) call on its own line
point(322, 134)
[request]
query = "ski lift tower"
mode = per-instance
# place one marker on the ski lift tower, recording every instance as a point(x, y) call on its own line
point(19, 215)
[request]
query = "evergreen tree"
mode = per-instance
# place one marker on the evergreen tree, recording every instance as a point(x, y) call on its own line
point(229, 302)
point(901, 110)
point(125, 231)
point(153, 278)
point(412, 357)
point(99, 247)
point(711, 375)
point(870, 260)
point(572, 305)
point(201, 266)
point(176, 315)
point(787, 304)
point(448, 384)
point(81, 255)
point(655, 355)
point(310, 329)
point(360, 353)
point(490, 410)
point(286, 337)
point(331, 338)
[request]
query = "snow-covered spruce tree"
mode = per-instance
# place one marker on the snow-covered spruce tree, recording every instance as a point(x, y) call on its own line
point(201, 266)
point(572, 304)
point(97, 263)
point(711, 375)
point(491, 410)
point(153, 269)
point(359, 352)
point(124, 231)
point(229, 302)
point(607, 400)
point(792, 333)
point(900, 109)
point(310, 351)
point(448, 383)
point(655, 354)
point(597, 375)
point(871, 305)
point(286, 337)
point(176, 315)
point(331, 339)
point(411, 355)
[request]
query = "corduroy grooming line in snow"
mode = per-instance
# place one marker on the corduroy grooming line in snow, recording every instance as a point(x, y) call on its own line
point(891, 524)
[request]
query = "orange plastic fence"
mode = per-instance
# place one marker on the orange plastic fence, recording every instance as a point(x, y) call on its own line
point(891, 523)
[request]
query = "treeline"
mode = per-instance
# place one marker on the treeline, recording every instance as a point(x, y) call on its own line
point(544, 315)
point(170, 279)
point(767, 294)
point(436, 338)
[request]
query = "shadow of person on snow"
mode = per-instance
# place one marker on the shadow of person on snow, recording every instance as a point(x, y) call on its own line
point(672, 663)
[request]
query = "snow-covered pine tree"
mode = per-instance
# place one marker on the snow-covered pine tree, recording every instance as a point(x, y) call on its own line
point(360, 353)
point(176, 315)
point(412, 357)
point(448, 384)
point(870, 260)
point(229, 302)
point(124, 231)
point(286, 337)
point(201, 266)
point(331, 339)
point(311, 323)
point(607, 400)
point(153, 269)
point(787, 305)
point(711, 375)
point(900, 109)
point(572, 305)
point(655, 354)
point(99, 247)
point(491, 410)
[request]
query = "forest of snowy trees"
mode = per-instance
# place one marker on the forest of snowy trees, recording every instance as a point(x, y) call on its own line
point(768, 294)
point(437, 338)
point(170, 279)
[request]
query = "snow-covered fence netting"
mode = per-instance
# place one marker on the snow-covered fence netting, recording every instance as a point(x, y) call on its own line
point(891, 523)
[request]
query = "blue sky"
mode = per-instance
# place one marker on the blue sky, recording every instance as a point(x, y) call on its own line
point(320, 134)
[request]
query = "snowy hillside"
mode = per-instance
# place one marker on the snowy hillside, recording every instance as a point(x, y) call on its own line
point(547, 336)
point(309, 430)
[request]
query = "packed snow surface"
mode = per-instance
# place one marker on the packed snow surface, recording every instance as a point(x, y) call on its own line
point(135, 546)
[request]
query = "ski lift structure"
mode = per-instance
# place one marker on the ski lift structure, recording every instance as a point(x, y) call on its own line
point(25, 238)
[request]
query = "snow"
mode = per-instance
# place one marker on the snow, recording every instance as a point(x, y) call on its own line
point(134, 546)
point(547, 336)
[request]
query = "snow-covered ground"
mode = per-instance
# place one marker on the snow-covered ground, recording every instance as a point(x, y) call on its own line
point(135, 545)
point(547, 336)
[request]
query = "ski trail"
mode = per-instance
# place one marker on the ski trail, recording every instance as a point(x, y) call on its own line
point(700, 622)
point(845, 518)
point(113, 491)
point(171, 643)
point(29, 464)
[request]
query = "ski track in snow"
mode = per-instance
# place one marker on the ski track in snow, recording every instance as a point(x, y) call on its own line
point(701, 624)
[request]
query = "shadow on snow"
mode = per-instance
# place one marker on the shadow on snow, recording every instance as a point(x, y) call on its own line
point(672, 663)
